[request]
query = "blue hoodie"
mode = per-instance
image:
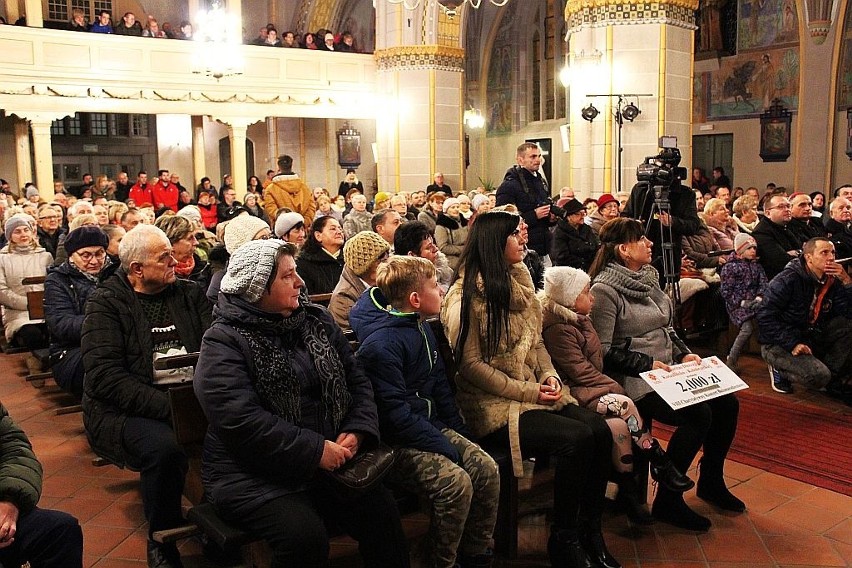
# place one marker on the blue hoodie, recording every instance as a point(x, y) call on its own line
point(400, 356)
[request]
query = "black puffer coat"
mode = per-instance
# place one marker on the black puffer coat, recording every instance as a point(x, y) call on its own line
point(252, 455)
point(319, 270)
point(118, 358)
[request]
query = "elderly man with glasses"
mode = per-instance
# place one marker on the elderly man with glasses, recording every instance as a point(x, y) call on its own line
point(50, 228)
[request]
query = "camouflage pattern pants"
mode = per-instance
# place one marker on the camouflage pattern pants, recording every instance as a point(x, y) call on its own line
point(463, 497)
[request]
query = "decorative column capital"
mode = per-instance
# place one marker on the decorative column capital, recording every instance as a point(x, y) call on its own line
point(420, 57)
point(592, 13)
point(238, 122)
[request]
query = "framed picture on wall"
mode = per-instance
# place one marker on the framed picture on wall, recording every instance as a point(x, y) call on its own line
point(775, 126)
point(849, 133)
point(348, 147)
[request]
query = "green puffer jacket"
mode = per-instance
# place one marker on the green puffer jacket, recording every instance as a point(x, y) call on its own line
point(20, 471)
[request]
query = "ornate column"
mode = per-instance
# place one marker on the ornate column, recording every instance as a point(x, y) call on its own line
point(43, 156)
point(647, 48)
point(23, 158)
point(193, 6)
point(35, 19)
point(235, 9)
point(199, 163)
point(237, 127)
point(420, 83)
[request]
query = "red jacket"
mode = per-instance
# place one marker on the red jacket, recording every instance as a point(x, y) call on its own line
point(209, 216)
point(141, 195)
point(165, 196)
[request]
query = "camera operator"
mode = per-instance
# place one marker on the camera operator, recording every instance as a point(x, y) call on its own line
point(681, 217)
point(525, 187)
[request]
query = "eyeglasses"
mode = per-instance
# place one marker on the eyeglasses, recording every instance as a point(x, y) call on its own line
point(783, 206)
point(88, 256)
point(50, 217)
point(384, 256)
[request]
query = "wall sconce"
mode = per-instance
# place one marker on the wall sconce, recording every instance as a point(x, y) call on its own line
point(473, 118)
point(590, 113)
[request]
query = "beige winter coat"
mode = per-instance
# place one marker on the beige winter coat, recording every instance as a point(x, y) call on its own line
point(492, 394)
point(14, 267)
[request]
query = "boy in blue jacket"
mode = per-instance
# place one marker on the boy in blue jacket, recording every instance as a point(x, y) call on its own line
point(418, 415)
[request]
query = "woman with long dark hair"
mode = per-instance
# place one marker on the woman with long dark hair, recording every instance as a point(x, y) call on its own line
point(320, 261)
point(511, 395)
point(633, 318)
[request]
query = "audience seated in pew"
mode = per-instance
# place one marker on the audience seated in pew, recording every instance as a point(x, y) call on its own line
point(66, 291)
point(511, 395)
point(418, 415)
point(278, 418)
point(139, 313)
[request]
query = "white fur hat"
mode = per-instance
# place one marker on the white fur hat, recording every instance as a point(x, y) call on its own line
point(563, 284)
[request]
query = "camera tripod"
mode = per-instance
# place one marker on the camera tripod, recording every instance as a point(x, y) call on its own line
point(671, 274)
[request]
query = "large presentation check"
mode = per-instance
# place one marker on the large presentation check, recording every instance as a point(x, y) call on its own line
point(690, 383)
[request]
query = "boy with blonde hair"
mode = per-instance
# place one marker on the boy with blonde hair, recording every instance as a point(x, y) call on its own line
point(418, 414)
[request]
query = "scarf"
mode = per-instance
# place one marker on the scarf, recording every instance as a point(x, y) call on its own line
point(185, 268)
point(627, 282)
point(275, 380)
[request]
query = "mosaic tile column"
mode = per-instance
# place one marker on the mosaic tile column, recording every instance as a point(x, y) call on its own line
point(420, 84)
point(646, 49)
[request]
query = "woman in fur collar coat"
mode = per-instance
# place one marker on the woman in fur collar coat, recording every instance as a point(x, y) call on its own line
point(509, 392)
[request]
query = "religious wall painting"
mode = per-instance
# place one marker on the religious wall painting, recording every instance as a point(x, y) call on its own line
point(844, 82)
point(764, 24)
point(500, 108)
point(745, 86)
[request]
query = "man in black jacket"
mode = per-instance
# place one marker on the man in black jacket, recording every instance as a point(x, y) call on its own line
point(527, 189)
point(776, 244)
point(39, 537)
point(135, 316)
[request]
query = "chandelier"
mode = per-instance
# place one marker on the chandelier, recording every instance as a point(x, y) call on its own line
point(450, 7)
point(218, 52)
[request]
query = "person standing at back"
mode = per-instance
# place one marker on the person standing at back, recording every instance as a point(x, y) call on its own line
point(525, 187)
point(288, 190)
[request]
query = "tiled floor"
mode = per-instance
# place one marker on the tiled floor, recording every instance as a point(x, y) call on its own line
point(788, 523)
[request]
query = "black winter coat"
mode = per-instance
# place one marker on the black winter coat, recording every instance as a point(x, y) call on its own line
point(782, 318)
point(805, 231)
point(840, 236)
point(685, 221)
point(319, 270)
point(66, 292)
point(773, 242)
point(252, 455)
point(118, 358)
point(574, 246)
point(527, 191)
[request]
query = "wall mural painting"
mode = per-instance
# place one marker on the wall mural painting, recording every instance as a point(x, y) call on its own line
point(766, 66)
point(744, 86)
point(844, 84)
point(766, 23)
point(500, 77)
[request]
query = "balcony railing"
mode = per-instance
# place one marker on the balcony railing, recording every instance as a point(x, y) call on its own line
point(50, 70)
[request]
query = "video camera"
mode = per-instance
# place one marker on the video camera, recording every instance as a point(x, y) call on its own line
point(662, 169)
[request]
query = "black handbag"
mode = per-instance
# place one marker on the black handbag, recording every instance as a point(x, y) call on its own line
point(363, 472)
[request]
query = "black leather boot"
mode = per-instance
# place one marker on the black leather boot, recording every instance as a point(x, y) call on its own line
point(630, 500)
point(664, 471)
point(712, 488)
point(670, 508)
point(592, 541)
point(565, 551)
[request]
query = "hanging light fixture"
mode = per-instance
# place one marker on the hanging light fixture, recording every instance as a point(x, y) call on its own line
point(590, 113)
point(218, 52)
point(473, 118)
point(450, 7)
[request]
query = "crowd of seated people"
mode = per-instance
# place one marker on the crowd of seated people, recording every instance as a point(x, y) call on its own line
point(555, 373)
